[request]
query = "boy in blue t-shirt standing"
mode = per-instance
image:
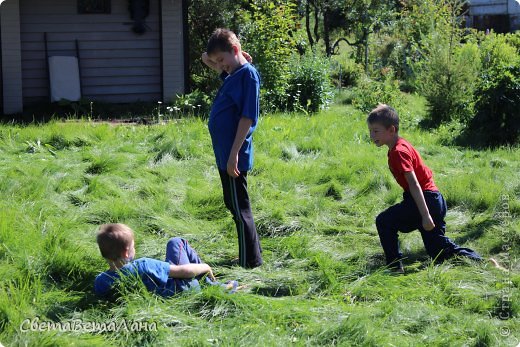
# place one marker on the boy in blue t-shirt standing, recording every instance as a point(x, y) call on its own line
point(233, 119)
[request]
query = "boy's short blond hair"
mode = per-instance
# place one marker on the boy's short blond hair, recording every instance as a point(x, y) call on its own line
point(222, 40)
point(114, 239)
point(385, 115)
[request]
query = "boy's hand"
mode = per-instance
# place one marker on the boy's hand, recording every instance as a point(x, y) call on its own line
point(248, 57)
point(209, 63)
point(210, 275)
point(427, 223)
point(244, 124)
point(418, 197)
point(232, 165)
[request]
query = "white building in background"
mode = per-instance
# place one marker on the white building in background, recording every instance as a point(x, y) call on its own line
point(499, 15)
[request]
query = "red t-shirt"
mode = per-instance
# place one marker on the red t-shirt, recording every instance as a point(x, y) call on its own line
point(404, 158)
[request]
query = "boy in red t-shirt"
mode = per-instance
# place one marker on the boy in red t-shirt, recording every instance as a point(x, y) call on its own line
point(423, 206)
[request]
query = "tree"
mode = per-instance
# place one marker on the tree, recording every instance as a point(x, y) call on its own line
point(203, 19)
point(445, 68)
point(351, 21)
point(326, 15)
point(267, 30)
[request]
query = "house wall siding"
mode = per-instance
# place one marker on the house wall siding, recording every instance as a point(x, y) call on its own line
point(11, 62)
point(488, 7)
point(172, 52)
point(479, 9)
point(116, 64)
point(514, 11)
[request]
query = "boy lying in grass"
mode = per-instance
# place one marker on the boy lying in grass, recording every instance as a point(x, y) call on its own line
point(178, 273)
point(423, 206)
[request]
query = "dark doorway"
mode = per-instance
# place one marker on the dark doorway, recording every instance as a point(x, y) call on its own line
point(497, 23)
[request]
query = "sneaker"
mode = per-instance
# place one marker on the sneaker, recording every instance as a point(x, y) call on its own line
point(231, 286)
point(252, 266)
point(396, 267)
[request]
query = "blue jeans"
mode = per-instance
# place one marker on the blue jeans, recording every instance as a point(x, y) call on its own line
point(405, 217)
point(179, 252)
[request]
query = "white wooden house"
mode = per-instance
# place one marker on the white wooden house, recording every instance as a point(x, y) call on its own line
point(116, 64)
point(499, 15)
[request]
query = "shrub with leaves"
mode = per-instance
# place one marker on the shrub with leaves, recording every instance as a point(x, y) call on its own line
point(196, 103)
point(446, 76)
point(369, 93)
point(346, 72)
point(497, 118)
point(266, 34)
point(310, 89)
point(202, 21)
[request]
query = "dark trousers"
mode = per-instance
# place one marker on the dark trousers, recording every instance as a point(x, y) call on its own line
point(236, 199)
point(405, 217)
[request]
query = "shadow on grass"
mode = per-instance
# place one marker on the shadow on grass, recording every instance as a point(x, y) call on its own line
point(43, 112)
point(429, 124)
point(376, 262)
point(475, 136)
point(274, 290)
point(475, 231)
point(78, 289)
point(227, 263)
point(84, 301)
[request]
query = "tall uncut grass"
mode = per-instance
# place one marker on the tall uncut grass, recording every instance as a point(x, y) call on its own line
point(316, 188)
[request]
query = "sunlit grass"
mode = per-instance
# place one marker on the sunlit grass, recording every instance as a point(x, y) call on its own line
point(316, 188)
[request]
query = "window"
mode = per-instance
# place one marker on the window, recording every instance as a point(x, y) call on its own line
point(93, 6)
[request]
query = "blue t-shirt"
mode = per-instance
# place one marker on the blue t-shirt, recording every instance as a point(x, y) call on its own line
point(154, 274)
point(239, 96)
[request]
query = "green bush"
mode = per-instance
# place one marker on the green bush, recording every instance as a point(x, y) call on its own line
point(309, 88)
point(202, 21)
point(346, 72)
point(266, 34)
point(514, 40)
point(196, 103)
point(369, 93)
point(497, 118)
point(446, 76)
point(391, 51)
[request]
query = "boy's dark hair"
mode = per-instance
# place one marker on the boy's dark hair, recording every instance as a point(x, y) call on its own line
point(222, 40)
point(114, 239)
point(384, 115)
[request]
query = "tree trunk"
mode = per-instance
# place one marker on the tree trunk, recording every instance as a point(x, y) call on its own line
point(366, 33)
point(308, 22)
point(316, 22)
point(366, 55)
point(326, 31)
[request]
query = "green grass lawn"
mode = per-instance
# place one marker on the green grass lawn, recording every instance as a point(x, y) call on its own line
point(316, 189)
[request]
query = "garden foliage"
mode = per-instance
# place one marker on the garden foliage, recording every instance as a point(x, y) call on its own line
point(497, 109)
point(309, 87)
point(265, 32)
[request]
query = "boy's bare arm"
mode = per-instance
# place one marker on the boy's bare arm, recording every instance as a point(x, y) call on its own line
point(190, 271)
point(212, 65)
point(243, 128)
point(418, 197)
